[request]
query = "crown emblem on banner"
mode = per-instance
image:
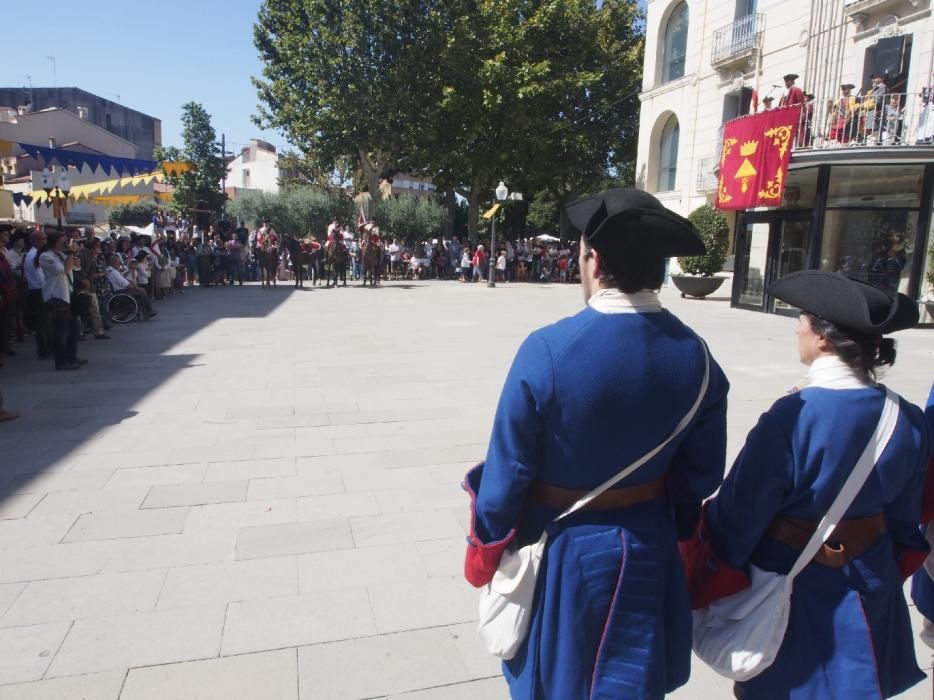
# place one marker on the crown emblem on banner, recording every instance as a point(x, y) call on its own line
point(748, 148)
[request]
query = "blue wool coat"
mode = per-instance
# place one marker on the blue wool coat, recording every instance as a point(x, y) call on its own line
point(849, 634)
point(922, 586)
point(586, 397)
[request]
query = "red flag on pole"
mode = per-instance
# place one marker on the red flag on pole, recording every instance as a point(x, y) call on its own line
point(361, 220)
point(754, 159)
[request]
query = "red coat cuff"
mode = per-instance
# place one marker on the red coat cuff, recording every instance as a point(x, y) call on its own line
point(709, 577)
point(482, 558)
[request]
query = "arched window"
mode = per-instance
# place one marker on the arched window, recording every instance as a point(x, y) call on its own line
point(676, 43)
point(668, 155)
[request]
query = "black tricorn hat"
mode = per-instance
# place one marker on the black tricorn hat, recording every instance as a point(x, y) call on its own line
point(847, 86)
point(846, 302)
point(790, 76)
point(626, 219)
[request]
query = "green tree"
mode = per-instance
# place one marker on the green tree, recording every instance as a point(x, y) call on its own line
point(540, 93)
point(136, 214)
point(200, 186)
point(341, 78)
point(296, 212)
point(410, 218)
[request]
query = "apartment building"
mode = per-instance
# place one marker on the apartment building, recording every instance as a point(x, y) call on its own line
point(860, 185)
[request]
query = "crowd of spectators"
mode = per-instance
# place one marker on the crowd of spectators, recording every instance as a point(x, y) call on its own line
point(528, 260)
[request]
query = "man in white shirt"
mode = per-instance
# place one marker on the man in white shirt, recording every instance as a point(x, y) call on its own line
point(58, 262)
point(35, 311)
point(122, 284)
point(395, 255)
point(130, 286)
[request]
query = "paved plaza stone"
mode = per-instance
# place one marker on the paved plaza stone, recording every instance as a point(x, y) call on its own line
point(257, 495)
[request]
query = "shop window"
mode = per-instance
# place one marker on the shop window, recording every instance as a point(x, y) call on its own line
point(875, 186)
point(800, 189)
point(876, 246)
point(668, 155)
point(675, 43)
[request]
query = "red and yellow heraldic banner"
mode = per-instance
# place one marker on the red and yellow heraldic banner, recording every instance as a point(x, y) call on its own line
point(754, 159)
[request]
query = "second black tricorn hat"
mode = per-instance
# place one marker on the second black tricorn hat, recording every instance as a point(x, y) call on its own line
point(846, 302)
point(626, 219)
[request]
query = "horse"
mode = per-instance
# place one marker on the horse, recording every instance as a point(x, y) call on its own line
point(336, 253)
point(299, 258)
point(372, 262)
point(267, 255)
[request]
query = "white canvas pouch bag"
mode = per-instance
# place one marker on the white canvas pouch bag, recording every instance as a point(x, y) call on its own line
point(739, 636)
point(506, 601)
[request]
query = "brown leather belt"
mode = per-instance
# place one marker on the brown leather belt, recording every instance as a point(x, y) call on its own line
point(848, 541)
point(560, 498)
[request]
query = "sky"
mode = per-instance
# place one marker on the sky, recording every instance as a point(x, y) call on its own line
point(155, 56)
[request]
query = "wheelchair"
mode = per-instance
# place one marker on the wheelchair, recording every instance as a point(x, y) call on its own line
point(122, 308)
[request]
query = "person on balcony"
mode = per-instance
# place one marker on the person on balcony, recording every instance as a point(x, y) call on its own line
point(841, 118)
point(925, 132)
point(767, 103)
point(805, 126)
point(793, 94)
point(872, 107)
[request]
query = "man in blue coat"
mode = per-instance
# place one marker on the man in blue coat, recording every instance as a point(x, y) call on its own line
point(586, 397)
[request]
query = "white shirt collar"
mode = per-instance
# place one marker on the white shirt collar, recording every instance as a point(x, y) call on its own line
point(830, 372)
point(613, 301)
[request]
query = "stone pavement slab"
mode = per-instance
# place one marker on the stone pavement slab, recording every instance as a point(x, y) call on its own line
point(407, 661)
point(314, 443)
point(93, 686)
point(270, 675)
point(169, 495)
point(26, 652)
point(202, 585)
point(82, 597)
point(139, 523)
point(293, 538)
point(145, 639)
point(288, 621)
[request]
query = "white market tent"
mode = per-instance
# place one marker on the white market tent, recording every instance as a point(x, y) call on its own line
point(548, 238)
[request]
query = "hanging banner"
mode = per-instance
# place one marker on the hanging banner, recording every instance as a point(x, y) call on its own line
point(85, 191)
point(176, 167)
point(754, 159)
point(64, 157)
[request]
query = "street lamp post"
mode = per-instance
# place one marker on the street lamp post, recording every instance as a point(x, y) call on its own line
point(501, 194)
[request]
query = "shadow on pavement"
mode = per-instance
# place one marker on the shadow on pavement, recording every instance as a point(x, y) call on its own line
point(61, 411)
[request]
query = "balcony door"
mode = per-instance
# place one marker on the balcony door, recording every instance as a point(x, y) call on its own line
point(744, 8)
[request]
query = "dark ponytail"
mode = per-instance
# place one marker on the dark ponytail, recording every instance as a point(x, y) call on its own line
point(861, 353)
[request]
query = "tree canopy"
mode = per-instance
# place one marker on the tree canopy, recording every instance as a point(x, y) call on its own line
point(297, 212)
point(200, 186)
point(539, 93)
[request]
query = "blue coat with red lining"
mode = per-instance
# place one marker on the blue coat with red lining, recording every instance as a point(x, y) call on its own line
point(584, 398)
point(849, 633)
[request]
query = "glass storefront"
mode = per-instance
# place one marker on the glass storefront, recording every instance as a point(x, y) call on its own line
point(872, 245)
point(861, 220)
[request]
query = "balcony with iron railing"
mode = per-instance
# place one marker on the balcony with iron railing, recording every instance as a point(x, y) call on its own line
point(707, 176)
point(892, 120)
point(738, 41)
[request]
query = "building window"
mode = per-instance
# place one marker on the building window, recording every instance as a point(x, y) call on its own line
point(246, 178)
point(668, 155)
point(675, 43)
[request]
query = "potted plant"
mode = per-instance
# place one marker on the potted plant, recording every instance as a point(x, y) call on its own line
point(698, 279)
